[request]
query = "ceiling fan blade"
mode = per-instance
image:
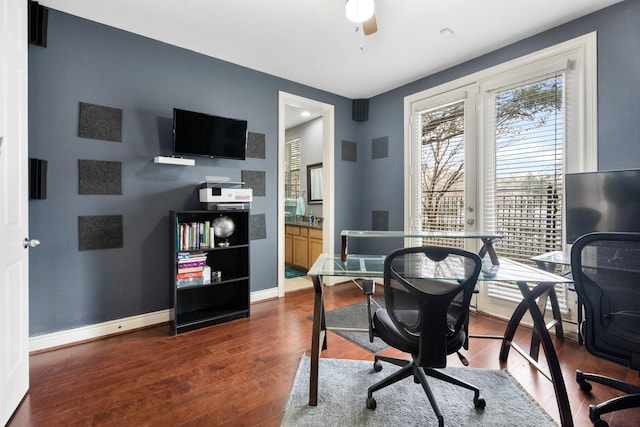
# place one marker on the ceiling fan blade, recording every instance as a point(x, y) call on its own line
point(370, 26)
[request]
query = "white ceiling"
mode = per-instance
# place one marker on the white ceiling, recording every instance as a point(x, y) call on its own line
point(312, 42)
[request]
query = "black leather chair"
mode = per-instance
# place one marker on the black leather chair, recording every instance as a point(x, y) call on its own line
point(427, 291)
point(606, 273)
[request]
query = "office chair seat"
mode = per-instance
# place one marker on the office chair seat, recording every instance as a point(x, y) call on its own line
point(388, 332)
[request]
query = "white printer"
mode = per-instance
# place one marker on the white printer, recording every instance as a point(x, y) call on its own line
point(224, 194)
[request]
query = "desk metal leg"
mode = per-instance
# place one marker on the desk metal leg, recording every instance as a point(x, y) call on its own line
point(487, 247)
point(343, 251)
point(318, 339)
point(549, 294)
point(529, 304)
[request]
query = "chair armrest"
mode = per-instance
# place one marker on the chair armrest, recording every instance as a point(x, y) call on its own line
point(368, 287)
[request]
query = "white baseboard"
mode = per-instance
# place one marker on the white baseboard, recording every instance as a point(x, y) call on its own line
point(99, 330)
point(55, 339)
point(264, 294)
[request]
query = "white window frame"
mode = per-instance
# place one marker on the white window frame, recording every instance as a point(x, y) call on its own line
point(578, 55)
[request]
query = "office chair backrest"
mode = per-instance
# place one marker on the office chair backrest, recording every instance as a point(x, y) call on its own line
point(606, 273)
point(427, 292)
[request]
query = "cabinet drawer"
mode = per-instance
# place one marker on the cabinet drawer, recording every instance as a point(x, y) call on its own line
point(304, 231)
point(294, 231)
point(315, 233)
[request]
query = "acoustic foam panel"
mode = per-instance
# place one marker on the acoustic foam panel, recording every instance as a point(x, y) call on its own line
point(380, 220)
point(255, 145)
point(98, 122)
point(256, 181)
point(257, 227)
point(99, 177)
point(100, 232)
point(349, 151)
point(380, 148)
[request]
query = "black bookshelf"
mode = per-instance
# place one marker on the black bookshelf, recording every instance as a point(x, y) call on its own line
point(196, 301)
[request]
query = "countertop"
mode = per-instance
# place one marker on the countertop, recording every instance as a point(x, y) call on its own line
point(304, 224)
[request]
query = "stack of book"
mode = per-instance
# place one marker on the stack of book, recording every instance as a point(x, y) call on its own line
point(191, 269)
point(193, 235)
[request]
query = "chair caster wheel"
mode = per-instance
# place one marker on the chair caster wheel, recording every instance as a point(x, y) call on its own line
point(585, 386)
point(371, 403)
point(377, 366)
point(582, 382)
point(600, 423)
point(595, 418)
point(479, 403)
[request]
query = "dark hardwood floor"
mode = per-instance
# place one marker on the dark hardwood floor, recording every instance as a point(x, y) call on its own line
point(240, 373)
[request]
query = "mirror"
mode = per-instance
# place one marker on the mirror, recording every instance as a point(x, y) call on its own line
point(314, 183)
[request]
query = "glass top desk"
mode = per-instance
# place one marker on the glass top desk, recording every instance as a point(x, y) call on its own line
point(486, 238)
point(548, 261)
point(535, 285)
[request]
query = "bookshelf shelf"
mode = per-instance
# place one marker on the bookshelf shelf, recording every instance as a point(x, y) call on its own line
point(210, 281)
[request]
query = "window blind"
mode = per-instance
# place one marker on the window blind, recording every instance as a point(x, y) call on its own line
point(525, 186)
point(292, 168)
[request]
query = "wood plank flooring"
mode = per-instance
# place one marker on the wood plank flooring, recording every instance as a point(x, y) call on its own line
point(240, 373)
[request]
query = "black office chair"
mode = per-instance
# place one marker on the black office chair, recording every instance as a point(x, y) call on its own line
point(606, 273)
point(427, 291)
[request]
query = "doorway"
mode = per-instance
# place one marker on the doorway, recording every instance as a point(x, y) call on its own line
point(288, 105)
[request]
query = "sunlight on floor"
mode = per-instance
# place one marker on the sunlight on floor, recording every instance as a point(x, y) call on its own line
point(297, 283)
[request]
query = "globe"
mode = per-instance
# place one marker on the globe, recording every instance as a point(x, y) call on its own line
point(223, 227)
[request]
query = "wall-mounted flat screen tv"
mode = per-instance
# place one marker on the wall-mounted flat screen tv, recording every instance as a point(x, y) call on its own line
point(606, 201)
point(200, 134)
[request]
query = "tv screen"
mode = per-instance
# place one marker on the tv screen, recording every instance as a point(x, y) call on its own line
point(200, 134)
point(602, 201)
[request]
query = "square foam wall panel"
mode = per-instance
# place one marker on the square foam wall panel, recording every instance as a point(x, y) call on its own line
point(99, 177)
point(349, 151)
point(380, 220)
point(380, 148)
point(100, 232)
point(257, 227)
point(98, 122)
point(256, 145)
point(256, 181)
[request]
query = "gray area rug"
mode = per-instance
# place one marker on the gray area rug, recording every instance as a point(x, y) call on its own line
point(356, 316)
point(342, 397)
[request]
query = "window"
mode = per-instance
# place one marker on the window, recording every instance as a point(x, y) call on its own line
point(488, 153)
point(528, 124)
point(292, 168)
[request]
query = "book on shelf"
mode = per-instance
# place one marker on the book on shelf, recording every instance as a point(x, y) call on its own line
point(194, 281)
point(191, 256)
point(193, 235)
point(192, 262)
point(190, 269)
point(190, 275)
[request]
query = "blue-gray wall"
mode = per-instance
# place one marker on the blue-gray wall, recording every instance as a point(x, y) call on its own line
point(146, 79)
point(618, 30)
point(88, 62)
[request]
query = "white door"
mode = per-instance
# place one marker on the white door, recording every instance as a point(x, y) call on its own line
point(14, 260)
point(443, 191)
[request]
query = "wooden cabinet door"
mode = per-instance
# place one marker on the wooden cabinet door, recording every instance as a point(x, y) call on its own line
point(301, 251)
point(288, 249)
point(315, 245)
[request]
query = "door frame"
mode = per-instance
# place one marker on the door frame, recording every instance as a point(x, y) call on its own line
point(328, 167)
